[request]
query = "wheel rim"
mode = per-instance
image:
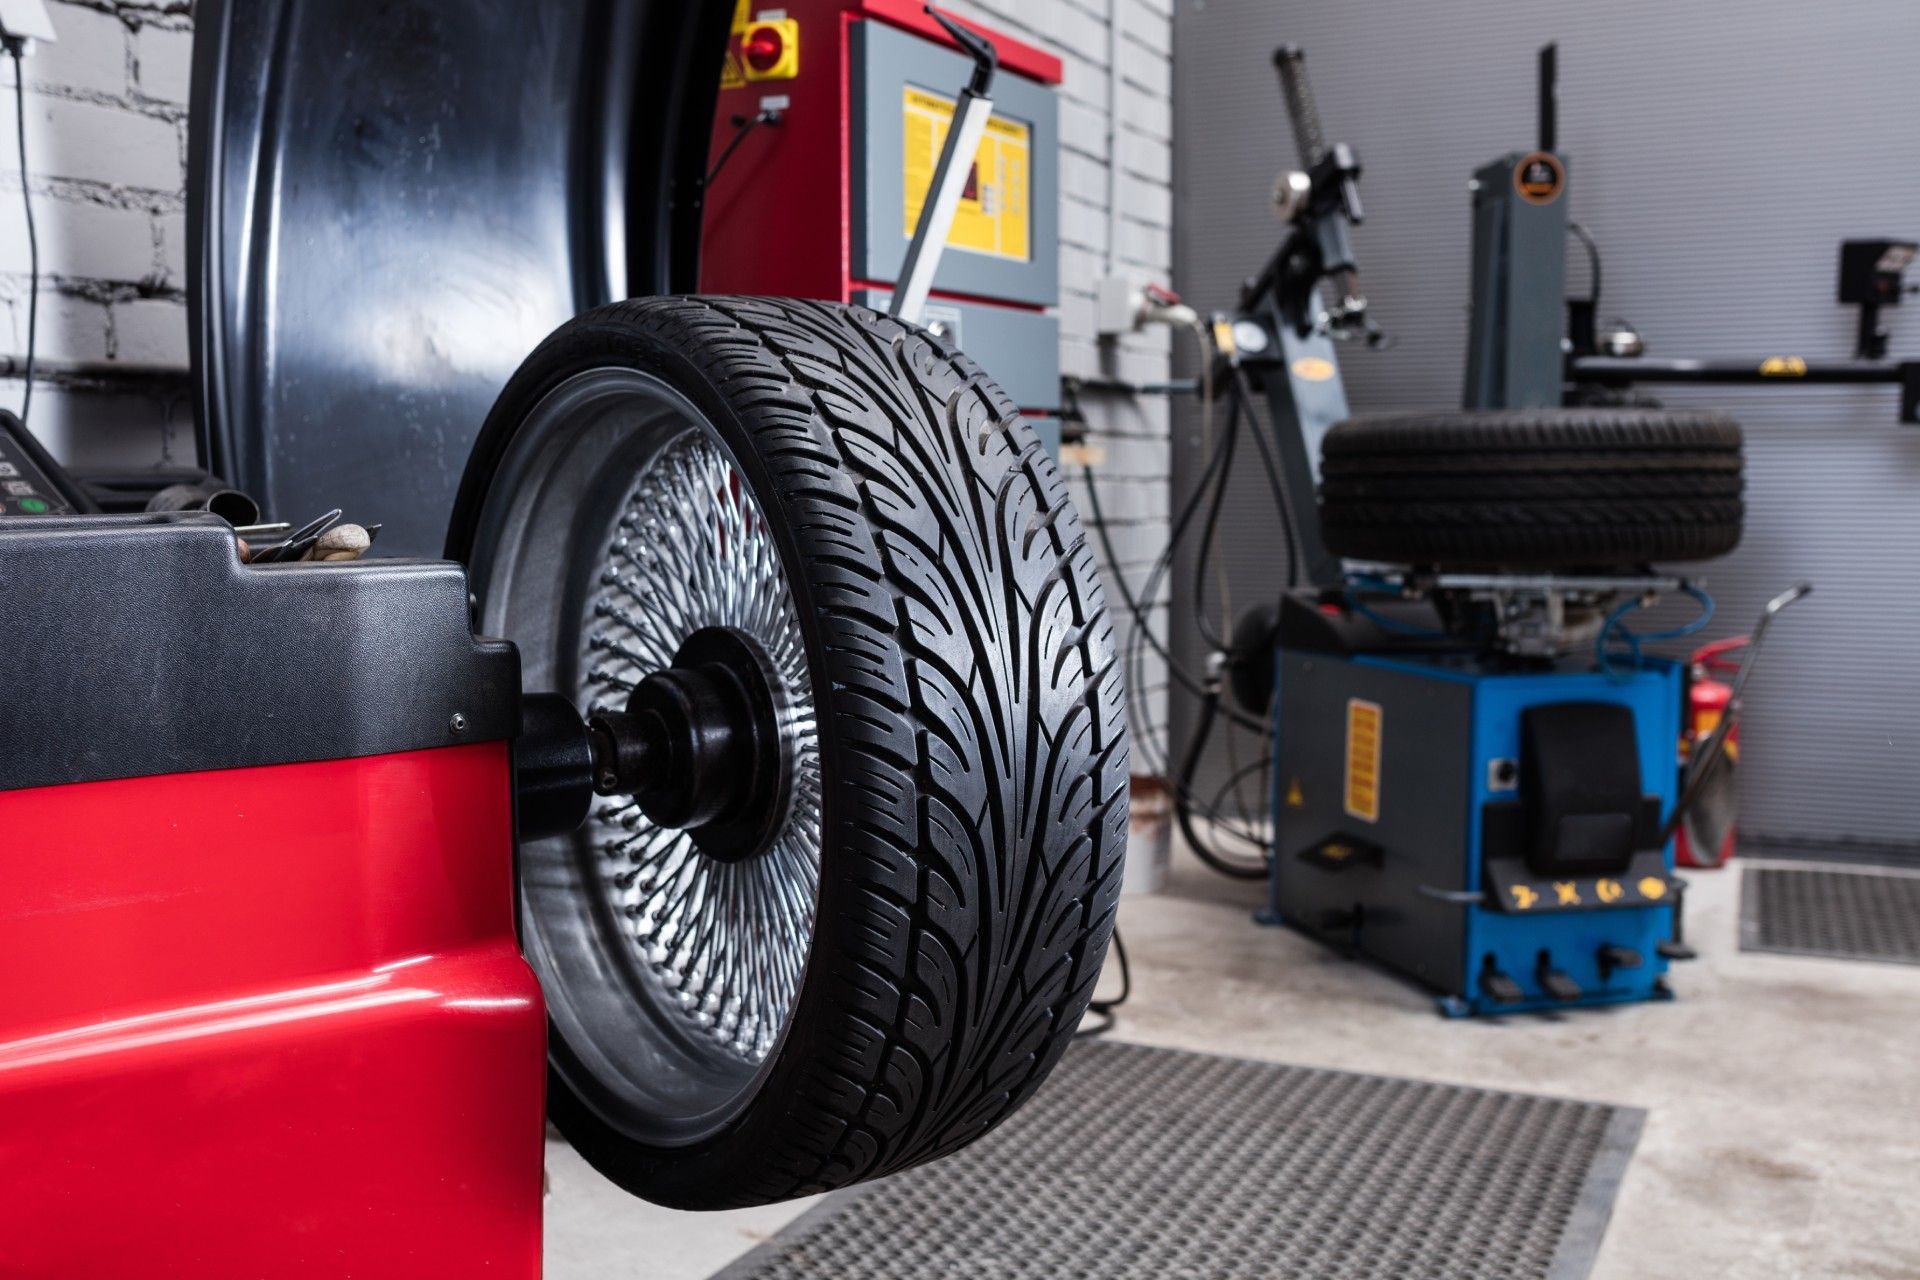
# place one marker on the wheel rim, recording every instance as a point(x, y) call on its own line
point(728, 937)
point(619, 525)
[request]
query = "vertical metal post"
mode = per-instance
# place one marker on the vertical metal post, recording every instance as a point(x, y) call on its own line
point(1549, 97)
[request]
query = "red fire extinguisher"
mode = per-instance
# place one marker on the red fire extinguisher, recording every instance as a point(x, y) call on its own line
point(1711, 819)
point(1702, 823)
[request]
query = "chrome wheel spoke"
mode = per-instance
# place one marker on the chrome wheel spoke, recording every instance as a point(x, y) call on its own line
point(728, 941)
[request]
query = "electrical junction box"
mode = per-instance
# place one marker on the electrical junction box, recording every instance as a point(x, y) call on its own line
point(823, 203)
point(26, 20)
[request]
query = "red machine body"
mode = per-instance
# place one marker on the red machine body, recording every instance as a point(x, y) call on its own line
point(269, 1021)
point(1707, 701)
point(779, 216)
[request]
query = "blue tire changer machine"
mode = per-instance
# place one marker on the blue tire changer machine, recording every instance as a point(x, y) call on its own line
point(1471, 784)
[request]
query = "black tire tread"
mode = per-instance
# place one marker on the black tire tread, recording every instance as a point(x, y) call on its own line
point(1542, 430)
point(1533, 489)
point(974, 743)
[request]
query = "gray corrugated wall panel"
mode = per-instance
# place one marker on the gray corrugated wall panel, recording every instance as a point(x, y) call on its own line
point(1720, 151)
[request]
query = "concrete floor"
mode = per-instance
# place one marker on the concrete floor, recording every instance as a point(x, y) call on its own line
point(1783, 1135)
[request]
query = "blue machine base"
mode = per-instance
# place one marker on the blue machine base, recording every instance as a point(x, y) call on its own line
point(1410, 887)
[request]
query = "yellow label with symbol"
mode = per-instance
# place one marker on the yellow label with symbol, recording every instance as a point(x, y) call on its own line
point(1365, 722)
point(995, 217)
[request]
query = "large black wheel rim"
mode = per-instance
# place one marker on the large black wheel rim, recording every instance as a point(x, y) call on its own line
point(626, 528)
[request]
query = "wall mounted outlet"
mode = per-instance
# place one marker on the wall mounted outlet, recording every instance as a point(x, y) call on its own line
point(26, 20)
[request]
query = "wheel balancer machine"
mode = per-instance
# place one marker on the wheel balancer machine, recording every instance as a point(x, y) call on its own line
point(1474, 778)
point(653, 807)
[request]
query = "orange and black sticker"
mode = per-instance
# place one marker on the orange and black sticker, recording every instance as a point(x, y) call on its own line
point(1365, 728)
point(1540, 177)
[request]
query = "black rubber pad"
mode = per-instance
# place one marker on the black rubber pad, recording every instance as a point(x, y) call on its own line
point(1842, 913)
point(1141, 1162)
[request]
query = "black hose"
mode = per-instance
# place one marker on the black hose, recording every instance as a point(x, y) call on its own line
point(1136, 606)
point(1243, 395)
point(1143, 630)
point(1103, 1009)
point(1210, 489)
point(1184, 802)
point(1209, 705)
point(1228, 437)
point(1233, 784)
point(742, 126)
point(1593, 261)
point(15, 47)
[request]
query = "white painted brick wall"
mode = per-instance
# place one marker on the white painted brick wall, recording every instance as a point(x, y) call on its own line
point(106, 117)
point(162, 63)
point(106, 131)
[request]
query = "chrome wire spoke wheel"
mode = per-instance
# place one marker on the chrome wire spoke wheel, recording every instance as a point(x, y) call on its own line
point(671, 932)
point(727, 937)
point(855, 724)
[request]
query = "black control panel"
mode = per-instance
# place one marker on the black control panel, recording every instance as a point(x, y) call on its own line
point(31, 482)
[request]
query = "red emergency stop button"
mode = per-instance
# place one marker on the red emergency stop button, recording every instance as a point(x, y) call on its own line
point(770, 49)
point(764, 49)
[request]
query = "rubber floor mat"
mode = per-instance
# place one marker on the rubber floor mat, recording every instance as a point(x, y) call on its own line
point(1142, 1162)
point(1845, 913)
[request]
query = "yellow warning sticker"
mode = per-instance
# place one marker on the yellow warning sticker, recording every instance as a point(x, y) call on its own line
point(733, 72)
point(1296, 798)
point(1364, 726)
point(995, 217)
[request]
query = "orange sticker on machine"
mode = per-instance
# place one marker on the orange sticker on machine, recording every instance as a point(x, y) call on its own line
point(1539, 177)
point(1365, 724)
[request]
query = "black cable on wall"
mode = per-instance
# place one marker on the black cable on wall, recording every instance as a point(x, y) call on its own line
point(17, 48)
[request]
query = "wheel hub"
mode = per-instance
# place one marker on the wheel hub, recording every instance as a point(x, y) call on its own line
point(699, 746)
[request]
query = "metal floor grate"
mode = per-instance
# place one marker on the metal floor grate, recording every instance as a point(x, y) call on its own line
point(1141, 1162)
point(1845, 913)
